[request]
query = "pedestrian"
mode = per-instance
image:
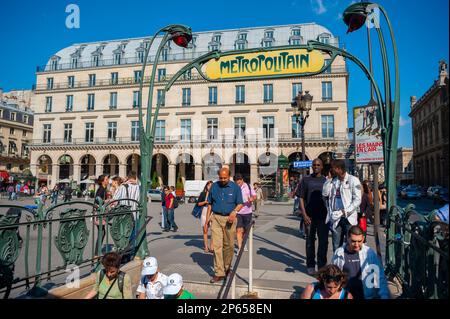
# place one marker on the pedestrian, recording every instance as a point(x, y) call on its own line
point(382, 195)
point(116, 181)
point(129, 194)
point(330, 285)
point(342, 193)
point(365, 208)
point(224, 201)
point(203, 204)
point(152, 281)
point(111, 283)
point(54, 195)
point(170, 210)
point(314, 213)
point(244, 215)
point(259, 199)
point(43, 193)
point(297, 212)
point(100, 198)
point(11, 192)
point(67, 193)
point(174, 288)
point(366, 279)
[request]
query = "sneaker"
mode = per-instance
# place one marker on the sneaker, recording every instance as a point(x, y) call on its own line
point(245, 248)
point(311, 271)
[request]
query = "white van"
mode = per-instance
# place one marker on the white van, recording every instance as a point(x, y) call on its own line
point(192, 190)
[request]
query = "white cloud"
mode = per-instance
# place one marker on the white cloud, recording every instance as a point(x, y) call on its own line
point(404, 121)
point(318, 6)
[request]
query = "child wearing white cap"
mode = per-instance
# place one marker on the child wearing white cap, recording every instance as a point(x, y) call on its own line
point(152, 281)
point(174, 288)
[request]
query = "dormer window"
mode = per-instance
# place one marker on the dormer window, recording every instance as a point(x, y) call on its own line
point(74, 63)
point(95, 60)
point(54, 63)
point(193, 43)
point(296, 32)
point(140, 56)
point(165, 54)
point(242, 36)
point(213, 47)
point(268, 39)
point(241, 42)
point(268, 34)
point(216, 38)
point(215, 43)
point(117, 58)
point(324, 38)
point(296, 36)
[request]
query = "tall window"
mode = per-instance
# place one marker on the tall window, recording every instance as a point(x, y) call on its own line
point(89, 133)
point(25, 119)
point(296, 32)
point(324, 39)
point(267, 44)
point(140, 56)
point(71, 81)
point(213, 47)
point(327, 126)
point(54, 65)
point(137, 76)
point(12, 116)
point(114, 78)
point(95, 60)
point(216, 38)
point(134, 131)
point(327, 91)
point(296, 87)
point(74, 63)
point(91, 79)
point(212, 96)
point(268, 126)
point(117, 58)
point(69, 103)
point(48, 104)
point(160, 131)
point(296, 42)
point(268, 93)
point(47, 133)
point(161, 97)
point(240, 94)
point(91, 101)
point(268, 34)
point(49, 83)
point(161, 75)
point(296, 128)
point(240, 46)
point(68, 133)
point(112, 131)
point(213, 129)
point(135, 99)
point(113, 100)
point(186, 97)
point(165, 54)
point(327, 63)
point(239, 127)
point(185, 130)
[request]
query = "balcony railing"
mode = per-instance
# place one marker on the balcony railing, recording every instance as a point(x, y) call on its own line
point(132, 81)
point(204, 139)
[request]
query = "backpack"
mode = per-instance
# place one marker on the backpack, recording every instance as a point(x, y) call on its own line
point(120, 280)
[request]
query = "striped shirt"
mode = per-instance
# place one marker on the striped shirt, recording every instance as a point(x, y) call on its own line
point(133, 193)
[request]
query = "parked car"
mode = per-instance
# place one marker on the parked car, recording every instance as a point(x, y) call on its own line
point(411, 192)
point(423, 191)
point(154, 195)
point(399, 191)
point(441, 196)
point(192, 189)
point(432, 190)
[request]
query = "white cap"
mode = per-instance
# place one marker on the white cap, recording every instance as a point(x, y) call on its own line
point(150, 266)
point(174, 284)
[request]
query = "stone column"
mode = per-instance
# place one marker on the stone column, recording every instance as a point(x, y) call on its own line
point(172, 174)
point(55, 175)
point(98, 169)
point(253, 173)
point(122, 170)
point(77, 173)
point(198, 171)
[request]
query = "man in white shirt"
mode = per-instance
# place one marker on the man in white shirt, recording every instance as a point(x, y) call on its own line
point(342, 194)
point(152, 282)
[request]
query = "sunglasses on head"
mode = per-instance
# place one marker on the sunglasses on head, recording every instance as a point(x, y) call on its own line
point(336, 278)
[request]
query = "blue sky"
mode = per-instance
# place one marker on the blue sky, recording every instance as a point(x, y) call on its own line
point(31, 31)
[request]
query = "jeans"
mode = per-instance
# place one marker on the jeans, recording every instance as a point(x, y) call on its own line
point(170, 219)
point(163, 217)
point(321, 229)
point(340, 233)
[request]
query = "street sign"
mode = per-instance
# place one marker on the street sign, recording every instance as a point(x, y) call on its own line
point(302, 164)
point(263, 64)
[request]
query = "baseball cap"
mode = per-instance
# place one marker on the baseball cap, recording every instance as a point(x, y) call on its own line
point(150, 266)
point(174, 284)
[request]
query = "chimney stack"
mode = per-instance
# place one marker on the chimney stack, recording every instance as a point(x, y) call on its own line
point(413, 100)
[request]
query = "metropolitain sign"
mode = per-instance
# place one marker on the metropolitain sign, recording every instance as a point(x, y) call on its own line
point(275, 63)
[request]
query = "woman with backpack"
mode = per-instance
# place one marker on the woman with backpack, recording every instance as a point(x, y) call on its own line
point(111, 283)
point(330, 285)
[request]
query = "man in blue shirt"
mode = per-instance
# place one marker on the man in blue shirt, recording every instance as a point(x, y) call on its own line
point(224, 201)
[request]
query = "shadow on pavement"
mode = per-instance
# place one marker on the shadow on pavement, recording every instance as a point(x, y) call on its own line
point(205, 261)
point(288, 230)
point(293, 264)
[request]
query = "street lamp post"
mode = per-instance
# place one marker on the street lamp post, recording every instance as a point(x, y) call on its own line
point(355, 16)
point(181, 36)
point(302, 104)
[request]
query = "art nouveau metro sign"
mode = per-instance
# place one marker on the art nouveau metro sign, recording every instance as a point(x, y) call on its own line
point(264, 64)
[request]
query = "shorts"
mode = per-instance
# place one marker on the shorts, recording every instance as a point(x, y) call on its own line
point(244, 220)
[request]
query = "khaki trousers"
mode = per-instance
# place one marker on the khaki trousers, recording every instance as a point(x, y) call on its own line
point(222, 234)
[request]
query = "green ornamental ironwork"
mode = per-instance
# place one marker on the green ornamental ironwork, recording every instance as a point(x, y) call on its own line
point(121, 226)
point(72, 235)
point(9, 240)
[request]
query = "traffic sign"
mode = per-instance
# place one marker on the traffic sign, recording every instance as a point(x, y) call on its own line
point(302, 164)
